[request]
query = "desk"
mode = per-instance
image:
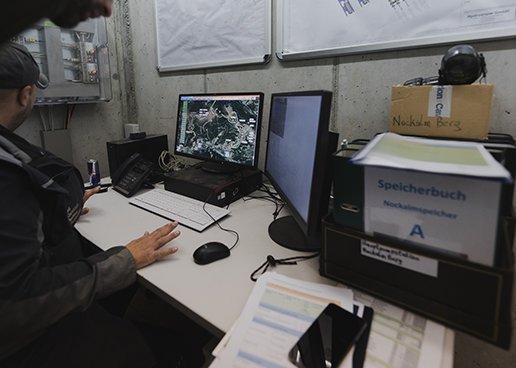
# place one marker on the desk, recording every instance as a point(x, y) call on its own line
point(213, 295)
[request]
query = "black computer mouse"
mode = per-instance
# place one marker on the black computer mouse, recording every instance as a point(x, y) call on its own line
point(210, 252)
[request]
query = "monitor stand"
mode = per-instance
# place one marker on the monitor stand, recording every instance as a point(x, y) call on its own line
point(286, 232)
point(220, 167)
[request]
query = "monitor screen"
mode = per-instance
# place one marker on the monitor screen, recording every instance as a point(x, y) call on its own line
point(298, 151)
point(220, 128)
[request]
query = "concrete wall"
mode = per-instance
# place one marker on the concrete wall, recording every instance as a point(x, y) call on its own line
point(361, 85)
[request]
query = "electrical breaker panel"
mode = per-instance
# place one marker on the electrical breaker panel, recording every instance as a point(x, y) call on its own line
point(76, 61)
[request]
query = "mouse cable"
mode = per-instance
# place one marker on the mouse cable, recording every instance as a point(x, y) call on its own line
point(272, 262)
point(220, 227)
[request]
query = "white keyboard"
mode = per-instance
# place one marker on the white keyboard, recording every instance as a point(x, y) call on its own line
point(173, 206)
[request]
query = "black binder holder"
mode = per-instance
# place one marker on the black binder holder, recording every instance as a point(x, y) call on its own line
point(465, 296)
point(473, 298)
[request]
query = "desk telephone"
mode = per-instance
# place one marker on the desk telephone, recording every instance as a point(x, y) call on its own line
point(131, 175)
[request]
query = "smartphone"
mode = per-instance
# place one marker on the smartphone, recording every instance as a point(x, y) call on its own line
point(328, 339)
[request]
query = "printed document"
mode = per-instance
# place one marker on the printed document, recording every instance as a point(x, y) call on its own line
point(280, 309)
point(431, 155)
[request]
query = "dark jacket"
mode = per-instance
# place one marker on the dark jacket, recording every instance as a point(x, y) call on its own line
point(43, 273)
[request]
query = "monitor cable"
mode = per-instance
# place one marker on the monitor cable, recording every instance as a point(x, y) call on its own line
point(272, 262)
point(269, 197)
point(272, 197)
point(168, 162)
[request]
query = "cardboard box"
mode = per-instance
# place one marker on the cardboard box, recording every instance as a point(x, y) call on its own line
point(461, 111)
point(472, 298)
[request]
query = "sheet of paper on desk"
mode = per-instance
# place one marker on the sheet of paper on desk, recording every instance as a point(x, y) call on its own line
point(397, 338)
point(276, 314)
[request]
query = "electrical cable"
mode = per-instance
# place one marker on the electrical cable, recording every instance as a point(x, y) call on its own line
point(50, 114)
point(273, 262)
point(69, 114)
point(168, 162)
point(220, 227)
point(273, 197)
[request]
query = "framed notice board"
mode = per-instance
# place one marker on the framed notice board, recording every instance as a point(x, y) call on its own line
point(195, 34)
point(321, 28)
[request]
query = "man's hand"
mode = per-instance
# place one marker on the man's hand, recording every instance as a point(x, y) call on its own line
point(87, 194)
point(150, 247)
point(76, 11)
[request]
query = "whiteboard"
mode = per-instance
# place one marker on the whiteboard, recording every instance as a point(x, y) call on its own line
point(193, 34)
point(307, 28)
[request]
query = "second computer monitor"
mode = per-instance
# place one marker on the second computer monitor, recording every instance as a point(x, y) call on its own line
point(221, 129)
point(299, 149)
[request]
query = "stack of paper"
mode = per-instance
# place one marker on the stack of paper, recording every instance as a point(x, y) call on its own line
point(280, 309)
point(431, 155)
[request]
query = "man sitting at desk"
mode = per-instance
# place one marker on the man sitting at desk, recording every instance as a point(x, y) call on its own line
point(48, 287)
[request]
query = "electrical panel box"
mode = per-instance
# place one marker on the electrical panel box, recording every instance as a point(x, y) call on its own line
point(76, 61)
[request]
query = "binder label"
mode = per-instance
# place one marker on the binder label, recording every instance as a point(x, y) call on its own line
point(453, 215)
point(400, 258)
point(440, 101)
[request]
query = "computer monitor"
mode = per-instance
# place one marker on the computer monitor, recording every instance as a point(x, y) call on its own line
point(223, 130)
point(297, 163)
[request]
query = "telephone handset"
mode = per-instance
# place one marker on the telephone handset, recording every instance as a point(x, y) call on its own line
point(131, 175)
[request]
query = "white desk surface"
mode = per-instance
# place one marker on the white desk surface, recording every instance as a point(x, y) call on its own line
point(216, 292)
point(213, 295)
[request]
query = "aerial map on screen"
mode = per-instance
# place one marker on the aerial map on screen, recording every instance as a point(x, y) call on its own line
point(219, 127)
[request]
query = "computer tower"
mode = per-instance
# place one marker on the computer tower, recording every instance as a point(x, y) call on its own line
point(149, 147)
point(217, 189)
